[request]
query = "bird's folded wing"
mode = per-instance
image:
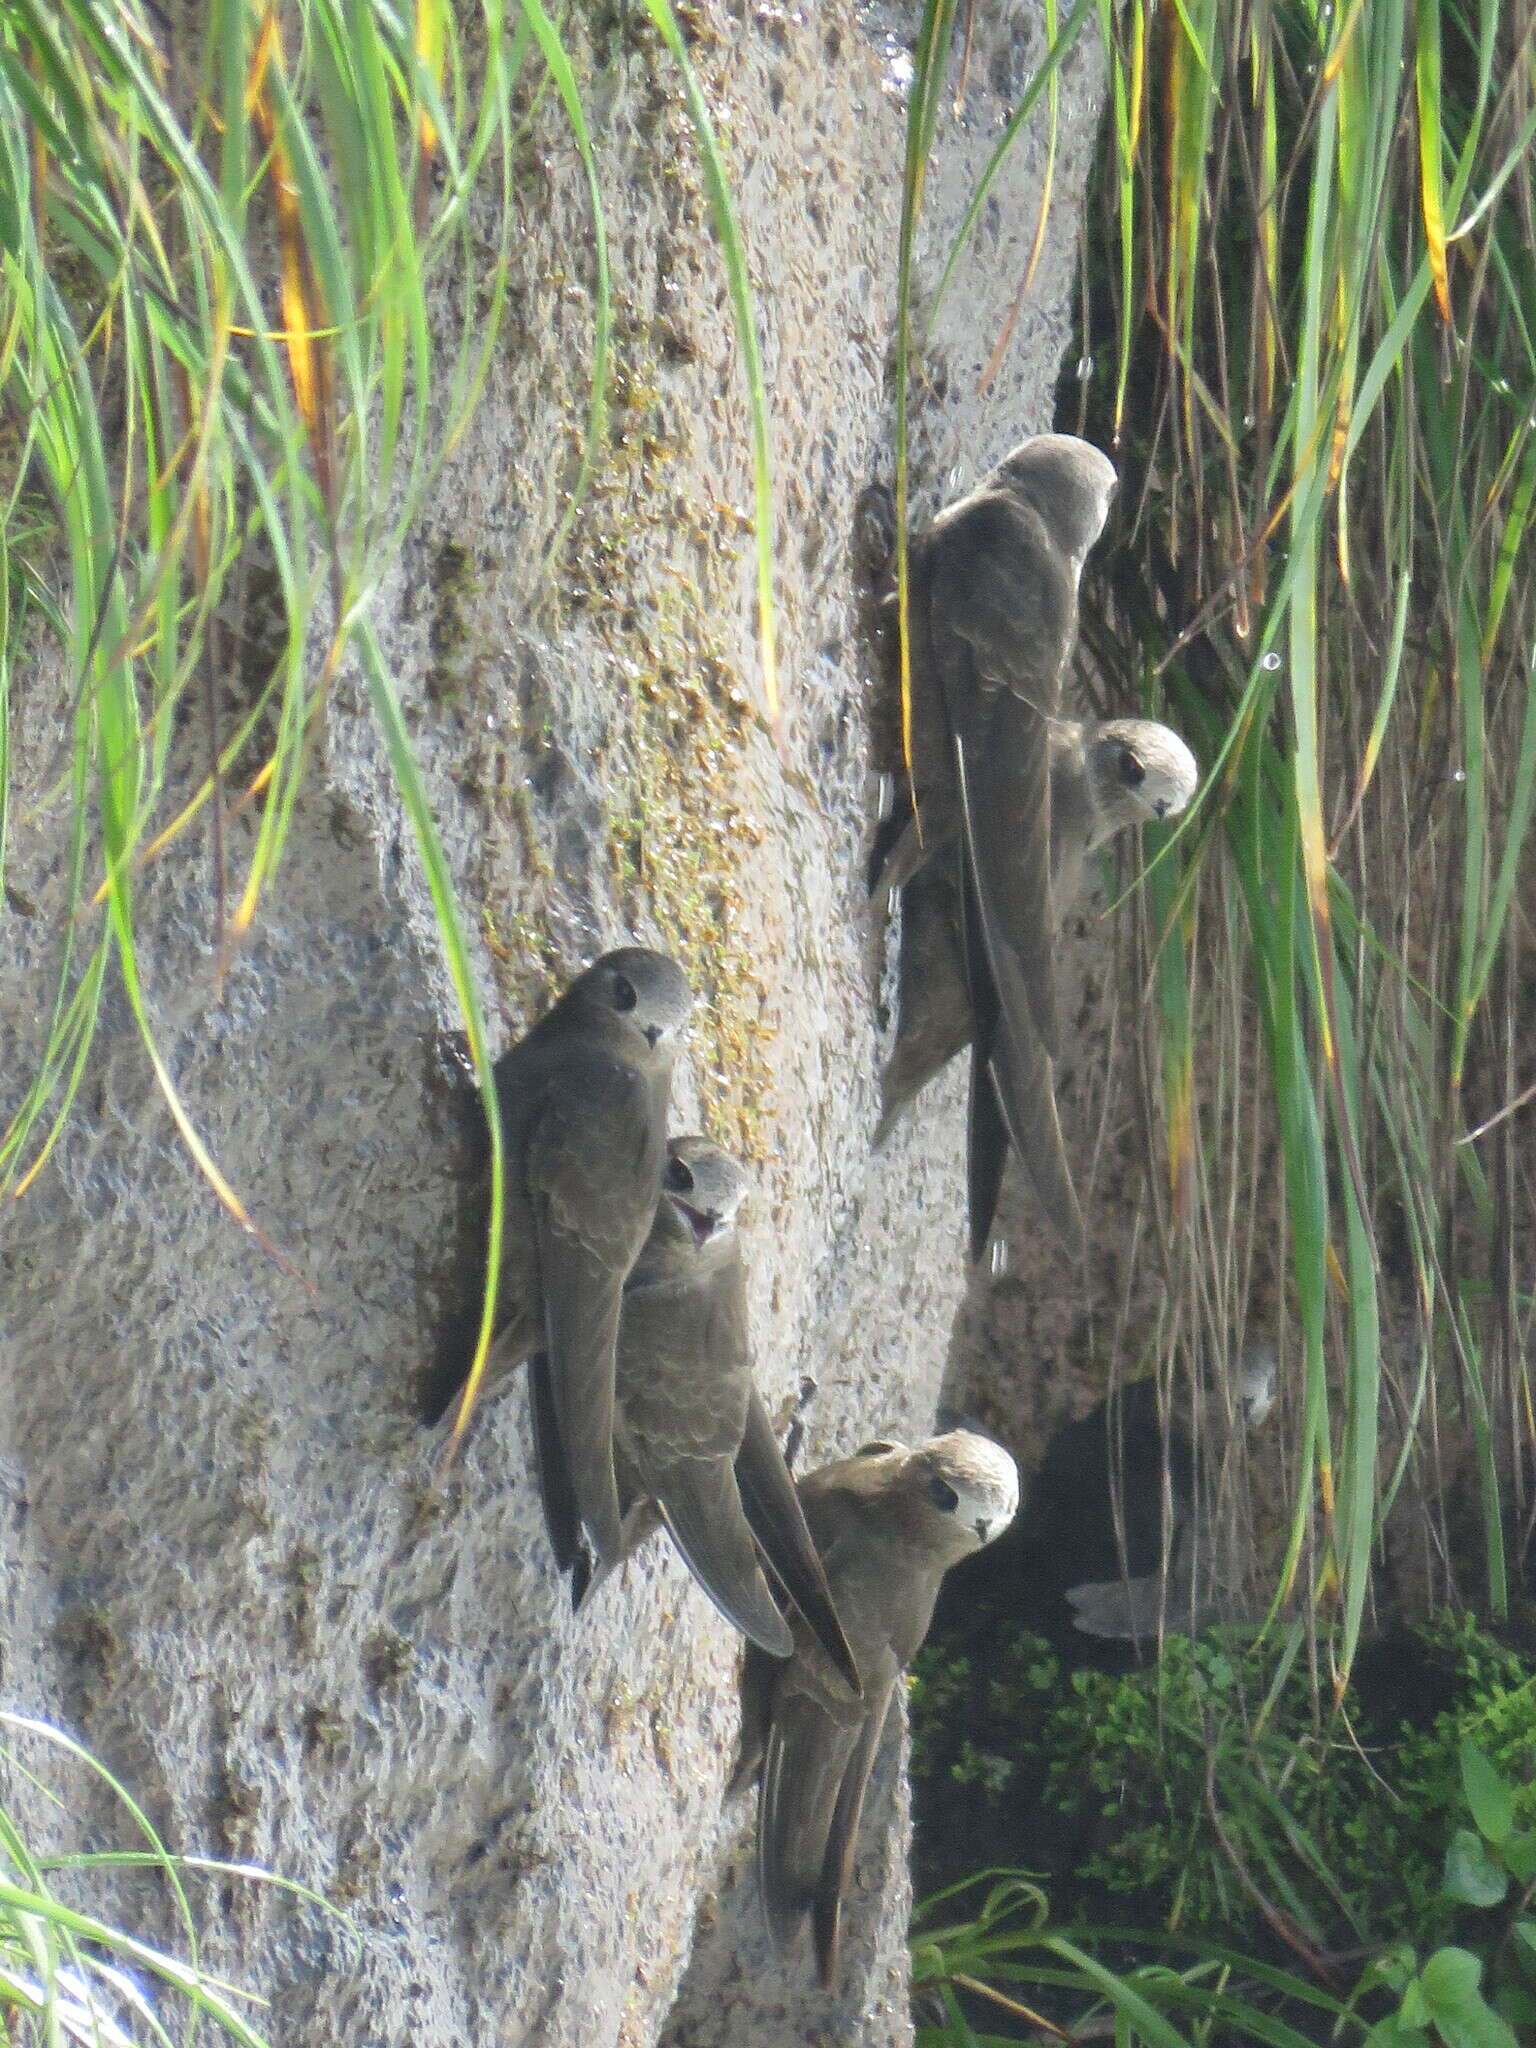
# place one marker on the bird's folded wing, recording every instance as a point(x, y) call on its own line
point(897, 852)
point(702, 1508)
point(771, 1503)
point(986, 1154)
point(1000, 619)
point(593, 1175)
point(1003, 767)
point(933, 1011)
point(809, 1749)
point(1013, 1100)
point(842, 1841)
point(1023, 1084)
point(562, 1515)
point(581, 1321)
point(759, 1676)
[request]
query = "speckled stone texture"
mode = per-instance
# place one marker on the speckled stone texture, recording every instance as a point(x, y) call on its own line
point(225, 1571)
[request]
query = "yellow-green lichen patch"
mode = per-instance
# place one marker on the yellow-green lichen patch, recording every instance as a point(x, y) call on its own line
point(684, 847)
point(654, 569)
point(457, 644)
point(529, 971)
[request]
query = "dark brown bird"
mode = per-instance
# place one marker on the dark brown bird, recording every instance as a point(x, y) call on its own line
point(583, 1100)
point(993, 617)
point(693, 1443)
point(888, 1522)
point(1188, 1592)
point(1104, 777)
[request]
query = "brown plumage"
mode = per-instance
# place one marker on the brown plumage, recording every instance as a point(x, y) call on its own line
point(993, 617)
point(888, 1523)
point(583, 1100)
point(694, 1445)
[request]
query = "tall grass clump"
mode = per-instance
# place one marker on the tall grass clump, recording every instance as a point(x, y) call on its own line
point(252, 277)
point(1306, 340)
point(1318, 366)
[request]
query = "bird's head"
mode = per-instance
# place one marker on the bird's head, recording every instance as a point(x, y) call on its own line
point(1138, 771)
point(703, 1188)
point(962, 1491)
point(1068, 482)
point(646, 991)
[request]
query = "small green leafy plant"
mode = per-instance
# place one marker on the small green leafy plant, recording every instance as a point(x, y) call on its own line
point(1218, 1792)
point(1011, 1960)
point(1476, 1992)
point(1265, 1844)
point(1482, 1994)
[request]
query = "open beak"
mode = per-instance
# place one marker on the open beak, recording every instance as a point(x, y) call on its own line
point(699, 1221)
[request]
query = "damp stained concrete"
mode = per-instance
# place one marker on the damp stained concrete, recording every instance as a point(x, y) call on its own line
point(226, 1569)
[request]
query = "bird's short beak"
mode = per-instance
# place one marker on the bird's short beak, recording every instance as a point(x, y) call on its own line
point(700, 1221)
point(983, 1527)
point(1161, 809)
point(652, 1034)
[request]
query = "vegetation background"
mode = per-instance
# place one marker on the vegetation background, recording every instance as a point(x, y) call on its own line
point(431, 446)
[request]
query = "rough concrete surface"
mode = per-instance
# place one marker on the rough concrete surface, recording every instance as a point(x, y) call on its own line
point(223, 1570)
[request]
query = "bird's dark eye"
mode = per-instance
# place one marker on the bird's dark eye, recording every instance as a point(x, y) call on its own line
point(624, 997)
point(677, 1179)
point(943, 1495)
point(1133, 771)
